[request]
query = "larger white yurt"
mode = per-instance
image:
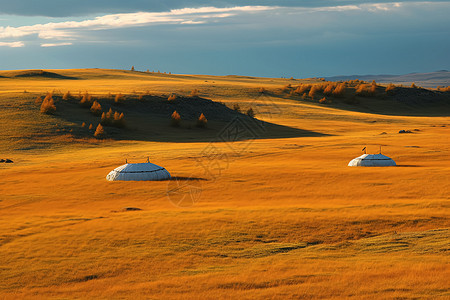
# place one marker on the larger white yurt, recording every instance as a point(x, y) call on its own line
point(372, 160)
point(138, 172)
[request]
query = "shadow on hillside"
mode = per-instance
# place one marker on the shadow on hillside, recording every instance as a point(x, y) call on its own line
point(401, 102)
point(39, 74)
point(148, 119)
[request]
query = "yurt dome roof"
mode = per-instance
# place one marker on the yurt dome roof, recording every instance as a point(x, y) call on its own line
point(372, 160)
point(138, 172)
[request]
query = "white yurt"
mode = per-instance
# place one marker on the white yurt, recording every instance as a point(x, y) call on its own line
point(138, 172)
point(372, 160)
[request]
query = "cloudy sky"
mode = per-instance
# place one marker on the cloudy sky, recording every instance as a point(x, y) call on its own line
point(220, 37)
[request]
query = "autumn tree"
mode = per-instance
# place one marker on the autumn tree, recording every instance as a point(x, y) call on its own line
point(67, 96)
point(339, 91)
point(107, 118)
point(175, 119)
point(86, 100)
point(202, 121)
point(312, 92)
point(286, 88)
point(302, 88)
point(373, 88)
point(99, 131)
point(96, 108)
point(118, 98)
point(390, 88)
point(361, 90)
point(118, 120)
point(328, 89)
point(112, 118)
point(172, 97)
point(48, 105)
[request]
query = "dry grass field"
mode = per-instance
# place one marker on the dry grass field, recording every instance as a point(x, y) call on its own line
point(274, 213)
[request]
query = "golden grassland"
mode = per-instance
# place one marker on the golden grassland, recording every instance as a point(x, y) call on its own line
point(274, 218)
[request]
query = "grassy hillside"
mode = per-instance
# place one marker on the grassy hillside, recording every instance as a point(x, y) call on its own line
point(255, 211)
point(147, 110)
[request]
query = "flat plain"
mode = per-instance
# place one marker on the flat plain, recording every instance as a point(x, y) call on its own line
point(275, 214)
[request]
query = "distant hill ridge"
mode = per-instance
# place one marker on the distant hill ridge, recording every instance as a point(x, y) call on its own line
point(430, 80)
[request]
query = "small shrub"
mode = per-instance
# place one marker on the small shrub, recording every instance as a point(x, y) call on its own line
point(262, 90)
point(175, 119)
point(99, 131)
point(48, 105)
point(250, 113)
point(202, 121)
point(323, 100)
point(172, 97)
point(83, 124)
point(132, 68)
point(38, 100)
point(236, 107)
point(413, 86)
point(91, 127)
point(96, 108)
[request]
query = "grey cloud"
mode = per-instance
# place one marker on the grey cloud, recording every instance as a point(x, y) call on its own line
point(65, 8)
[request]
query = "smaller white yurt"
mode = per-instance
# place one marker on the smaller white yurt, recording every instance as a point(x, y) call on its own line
point(138, 172)
point(372, 160)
